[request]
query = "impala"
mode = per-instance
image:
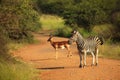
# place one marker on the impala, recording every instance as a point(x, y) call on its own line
point(59, 45)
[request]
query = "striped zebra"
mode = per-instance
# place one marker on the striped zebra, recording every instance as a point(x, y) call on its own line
point(89, 45)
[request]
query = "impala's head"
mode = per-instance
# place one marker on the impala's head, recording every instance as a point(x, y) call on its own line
point(50, 37)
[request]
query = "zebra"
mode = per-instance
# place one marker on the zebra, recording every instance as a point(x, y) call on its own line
point(84, 46)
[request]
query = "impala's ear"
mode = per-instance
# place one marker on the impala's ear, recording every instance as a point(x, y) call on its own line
point(50, 35)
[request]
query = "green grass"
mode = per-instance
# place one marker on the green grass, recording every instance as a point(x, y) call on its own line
point(50, 22)
point(17, 71)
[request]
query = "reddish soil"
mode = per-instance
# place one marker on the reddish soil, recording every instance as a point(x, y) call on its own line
point(42, 56)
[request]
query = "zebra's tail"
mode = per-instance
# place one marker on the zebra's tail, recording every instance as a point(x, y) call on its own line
point(98, 39)
point(101, 40)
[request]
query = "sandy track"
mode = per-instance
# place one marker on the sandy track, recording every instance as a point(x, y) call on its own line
point(42, 56)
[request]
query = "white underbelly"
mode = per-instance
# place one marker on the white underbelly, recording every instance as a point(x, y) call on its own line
point(62, 47)
point(87, 51)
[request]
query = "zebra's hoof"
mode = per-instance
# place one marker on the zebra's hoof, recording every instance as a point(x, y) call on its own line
point(80, 66)
point(96, 64)
point(84, 66)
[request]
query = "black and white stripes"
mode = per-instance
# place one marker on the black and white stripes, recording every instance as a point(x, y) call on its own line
point(88, 45)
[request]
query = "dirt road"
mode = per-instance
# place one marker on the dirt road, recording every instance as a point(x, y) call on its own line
point(42, 56)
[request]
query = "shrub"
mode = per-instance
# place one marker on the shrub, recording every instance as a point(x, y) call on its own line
point(18, 19)
point(3, 42)
point(63, 32)
point(106, 30)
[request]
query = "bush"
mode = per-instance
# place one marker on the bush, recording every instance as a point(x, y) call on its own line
point(108, 31)
point(3, 42)
point(64, 32)
point(18, 19)
point(116, 22)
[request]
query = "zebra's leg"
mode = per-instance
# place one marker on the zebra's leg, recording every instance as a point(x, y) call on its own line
point(93, 58)
point(84, 58)
point(80, 54)
point(96, 57)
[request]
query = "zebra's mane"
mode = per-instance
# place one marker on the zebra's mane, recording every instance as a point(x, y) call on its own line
point(80, 38)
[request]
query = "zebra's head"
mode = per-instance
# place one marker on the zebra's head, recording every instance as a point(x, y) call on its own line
point(74, 36)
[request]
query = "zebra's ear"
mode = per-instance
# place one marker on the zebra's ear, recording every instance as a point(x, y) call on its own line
point(74, 32)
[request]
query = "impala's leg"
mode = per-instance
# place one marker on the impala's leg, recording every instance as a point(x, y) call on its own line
point(84, 58)
point(69, 52)
point(56, 53)
point(96, 56)
point(93, 58)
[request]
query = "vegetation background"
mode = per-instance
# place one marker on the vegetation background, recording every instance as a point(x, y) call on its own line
point(20, 18)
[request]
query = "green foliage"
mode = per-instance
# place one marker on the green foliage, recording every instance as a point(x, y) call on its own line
point(85, 13)
point(17, 18)
point(80, 12)
point(106, 30)
point(4, 49)
point(116, 22)
point(63, 32)
point(90, 12)
point(53, 6)
point(110, 32)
